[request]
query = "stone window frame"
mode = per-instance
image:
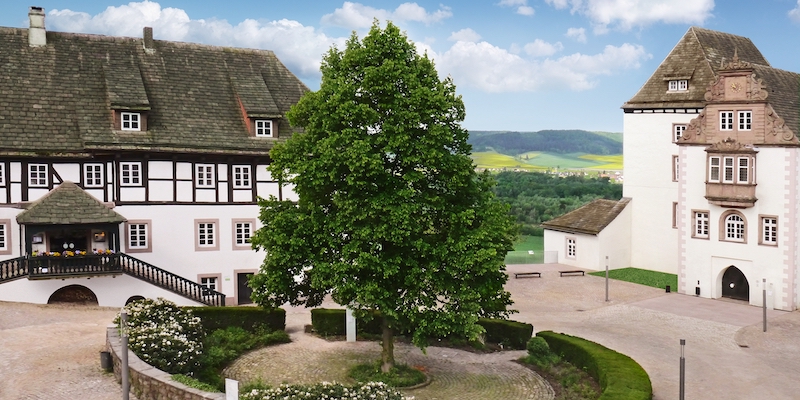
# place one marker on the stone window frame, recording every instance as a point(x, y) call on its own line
point(134, 169)
point(235, 238)
point(217, 280)
point(571, 244)
point(6, 246)
point(148, 227)
point(37, 175)
point(89, 178)
point(724, 227)
point(204, 176)
point(696, 219)
point(745, 124)
point(763, 234)
point(134, 121)
point(201, 234)
point(674, 215)
point(676, 172)
point(242, 179)
point(677, 132)
point(264, 128)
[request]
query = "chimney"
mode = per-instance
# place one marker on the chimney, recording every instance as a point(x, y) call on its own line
point(148, 37)
point(37, 36)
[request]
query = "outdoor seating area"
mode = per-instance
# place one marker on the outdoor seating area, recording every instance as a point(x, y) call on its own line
point(572, 272)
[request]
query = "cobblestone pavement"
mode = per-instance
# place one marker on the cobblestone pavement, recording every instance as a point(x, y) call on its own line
point(51, 352)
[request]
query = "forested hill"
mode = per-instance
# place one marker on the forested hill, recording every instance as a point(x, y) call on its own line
point(561, 142)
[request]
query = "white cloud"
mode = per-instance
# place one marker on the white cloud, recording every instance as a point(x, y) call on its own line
point(299, 47)
point(522, 6)
point(492, 69)
point(356, 15)
point(627, 14)
point(540, 48)
point(465, 35)
point(794, 14)
point(578, 34)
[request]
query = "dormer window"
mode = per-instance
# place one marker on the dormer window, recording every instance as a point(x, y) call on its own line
point(131, 121)
point(678, 85)
point(263, 128)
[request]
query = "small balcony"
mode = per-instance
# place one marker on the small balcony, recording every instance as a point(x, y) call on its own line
point(50, 267)
point(731, 195)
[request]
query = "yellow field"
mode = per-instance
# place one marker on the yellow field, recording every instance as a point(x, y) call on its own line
point(537, 161)
point(491, 159)
point(610, 162)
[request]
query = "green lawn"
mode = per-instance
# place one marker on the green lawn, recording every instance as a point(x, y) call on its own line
point(642, 277)
point(522, 246)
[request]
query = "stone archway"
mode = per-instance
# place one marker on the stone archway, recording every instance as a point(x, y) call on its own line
point(735, 285)
point(73, 294)
point(133, 298)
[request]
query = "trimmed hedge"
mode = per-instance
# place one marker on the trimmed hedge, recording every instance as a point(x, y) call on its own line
point(619, 376)
point(331, 322)
point(511, 334)
point(247, 318)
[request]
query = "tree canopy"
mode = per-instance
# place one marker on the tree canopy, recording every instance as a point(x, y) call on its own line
point(391, 214)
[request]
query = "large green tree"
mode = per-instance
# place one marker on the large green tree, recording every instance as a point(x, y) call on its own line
point(391, 213)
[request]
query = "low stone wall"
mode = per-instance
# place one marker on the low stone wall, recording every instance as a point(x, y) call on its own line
point(147, 382)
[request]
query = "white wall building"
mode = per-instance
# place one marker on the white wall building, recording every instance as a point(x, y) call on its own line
point(712, 170)
point(153, 150)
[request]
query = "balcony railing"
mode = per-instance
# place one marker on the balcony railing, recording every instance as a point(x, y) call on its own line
point(50, 267)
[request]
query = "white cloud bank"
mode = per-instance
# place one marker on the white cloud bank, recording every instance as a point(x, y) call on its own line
point(356, 15)
point(627, 14)
point(521, 5)
point(794, 14)
point(471, 62)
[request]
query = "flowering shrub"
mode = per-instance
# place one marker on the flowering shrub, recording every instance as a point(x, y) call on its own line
point(164, 335)
point(66, 253)
point(327, 390)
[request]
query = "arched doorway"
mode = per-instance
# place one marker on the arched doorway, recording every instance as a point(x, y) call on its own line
point(734, 284)
point(73, 294)
point(134, 298)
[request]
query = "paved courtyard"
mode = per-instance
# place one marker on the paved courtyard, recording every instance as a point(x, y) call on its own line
point(51, 352)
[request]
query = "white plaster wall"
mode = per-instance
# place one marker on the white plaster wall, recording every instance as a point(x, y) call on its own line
point(706, 259)
point(648, 150)
point(110, 291)
point(159, 169)
point(587, 249)
point(10, 213)
point(614, 241)
point(69, 172)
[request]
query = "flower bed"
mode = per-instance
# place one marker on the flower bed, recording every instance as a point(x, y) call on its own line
point(326, 390)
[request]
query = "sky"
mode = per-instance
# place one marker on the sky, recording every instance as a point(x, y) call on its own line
point(519, 65)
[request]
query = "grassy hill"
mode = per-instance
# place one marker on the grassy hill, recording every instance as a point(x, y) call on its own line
point(537, 161)
point(549, 141)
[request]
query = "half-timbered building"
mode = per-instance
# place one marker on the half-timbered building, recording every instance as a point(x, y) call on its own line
point(132, 166)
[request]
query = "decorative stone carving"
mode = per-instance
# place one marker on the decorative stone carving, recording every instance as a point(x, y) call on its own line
point(735, 63)
point(730, 145)
point(716, 91)
point(756, 89)
point(776, 125)
point(694, 131)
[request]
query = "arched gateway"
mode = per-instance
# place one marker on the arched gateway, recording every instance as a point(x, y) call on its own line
point(735, 285)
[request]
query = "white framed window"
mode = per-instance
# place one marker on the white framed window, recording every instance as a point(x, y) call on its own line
point(745, 120)
point(700, 224)
point(37, 175)
point(137, 236)
point(2, 174)
point(678, 85)
point(241, 177)
point(263, 128)
point(206, 235)
point(130, 121)
point(675, 215)
point(713, 169)
point(92, 175)
point(243, 231)
point(735, 227)
point(726, 120)
point(204, 175)
point(5, 236)
point(676, 172)
point(769, 230)
point(727, 173)
point(209, 282)
point(677, 132)
point(130, 174)
point(572, 248)
point(743, 170)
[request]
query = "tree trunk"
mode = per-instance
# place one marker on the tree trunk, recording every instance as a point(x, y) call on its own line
point(387, 351)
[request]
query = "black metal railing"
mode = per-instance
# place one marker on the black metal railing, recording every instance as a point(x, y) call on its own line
point(48, 267)
point(12, 269)
point(169, 281)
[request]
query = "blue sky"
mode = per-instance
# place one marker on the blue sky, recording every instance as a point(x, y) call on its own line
point(520, 65)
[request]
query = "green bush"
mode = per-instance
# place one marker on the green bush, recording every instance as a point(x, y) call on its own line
point(247, 318)
point(511, 334)
point(538, 348)
point(331, 322)
point(164, 335)
point(619, 376)
point(399, 376)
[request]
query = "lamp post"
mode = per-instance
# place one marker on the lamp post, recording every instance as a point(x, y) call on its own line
point(682, 389)
point(123, 357)
point(606, 278)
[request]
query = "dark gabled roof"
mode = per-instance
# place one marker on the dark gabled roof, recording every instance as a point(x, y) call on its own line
point(697, 57)
point(58, 98)
point(590, 219)
point(66, 205)
point(783, 88)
